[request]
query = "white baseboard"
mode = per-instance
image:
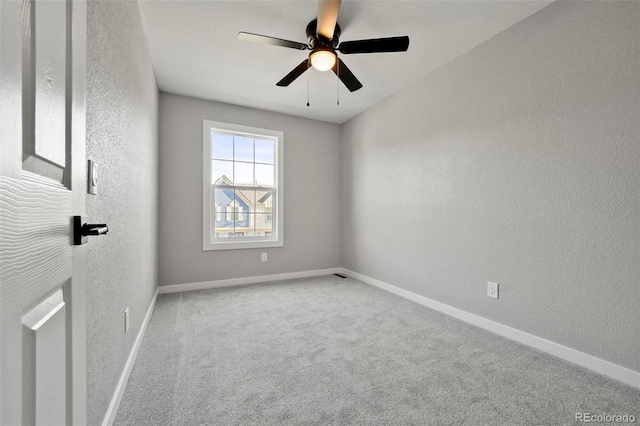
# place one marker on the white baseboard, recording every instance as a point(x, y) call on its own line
point(582, 359)
point(110, 417)
point(176, 288)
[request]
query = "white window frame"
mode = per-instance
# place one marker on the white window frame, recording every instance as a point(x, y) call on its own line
point(277, 237)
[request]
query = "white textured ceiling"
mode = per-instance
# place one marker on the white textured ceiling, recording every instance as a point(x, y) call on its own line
point(196, 52)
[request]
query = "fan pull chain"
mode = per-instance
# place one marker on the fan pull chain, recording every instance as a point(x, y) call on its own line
point(308, 90)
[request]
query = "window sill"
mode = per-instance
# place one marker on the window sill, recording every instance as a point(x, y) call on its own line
point(240, 245)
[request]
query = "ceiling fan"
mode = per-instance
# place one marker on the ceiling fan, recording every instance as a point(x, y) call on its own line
point(323, 35)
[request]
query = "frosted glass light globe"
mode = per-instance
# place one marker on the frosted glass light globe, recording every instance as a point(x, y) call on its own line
point(323, 60)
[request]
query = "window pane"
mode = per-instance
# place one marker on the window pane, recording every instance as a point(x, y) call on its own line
point(264, 175)
point(243, 148)
point(223, 201)
point(243, 174)
point(252, 225)
point(221, 146)
point(265, 151)
point(221, 170)
point(223, 232)
point(264, 225)
point(217, 210)
point(242, 204)
point(223, 197)
point(241, 222)
point(264, 201)
point(244, 233)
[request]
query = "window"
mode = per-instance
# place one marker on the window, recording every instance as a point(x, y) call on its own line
point(242, 187)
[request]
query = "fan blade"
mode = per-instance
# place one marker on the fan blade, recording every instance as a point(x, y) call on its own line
point(257, 38)
point(375, 45)
point(297, 72)
point(346, 76)
point(327, 17)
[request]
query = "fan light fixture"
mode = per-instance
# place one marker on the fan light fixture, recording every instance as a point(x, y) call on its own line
point(323, 40)
point(322, 59)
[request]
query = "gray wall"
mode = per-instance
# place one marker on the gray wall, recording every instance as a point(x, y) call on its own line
point(311, 187)
point(122, 122)
point(518, 162)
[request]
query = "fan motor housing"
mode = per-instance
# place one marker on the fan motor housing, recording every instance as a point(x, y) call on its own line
point(314, 40)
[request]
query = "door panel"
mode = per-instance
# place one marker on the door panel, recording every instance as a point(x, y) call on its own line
point(44, 77)
point(50, 80)
point(42, 186)
point(44, 354)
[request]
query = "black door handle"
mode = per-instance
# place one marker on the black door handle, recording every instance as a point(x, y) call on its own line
point(94, 229)
point(81, 231)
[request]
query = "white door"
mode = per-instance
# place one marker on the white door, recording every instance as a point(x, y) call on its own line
point(42, 185)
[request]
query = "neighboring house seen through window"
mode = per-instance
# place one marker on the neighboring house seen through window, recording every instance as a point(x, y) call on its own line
point(242, 192)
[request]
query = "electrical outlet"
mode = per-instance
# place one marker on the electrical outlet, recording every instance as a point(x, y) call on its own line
point(126, 321)
point(492, 289)
point(264, 257)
